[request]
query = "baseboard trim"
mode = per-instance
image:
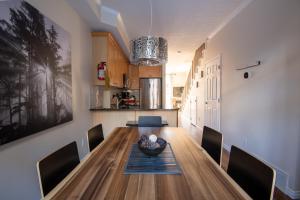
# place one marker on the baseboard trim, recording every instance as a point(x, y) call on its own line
point(199, 127)
point(226, 147)
point(292, 193)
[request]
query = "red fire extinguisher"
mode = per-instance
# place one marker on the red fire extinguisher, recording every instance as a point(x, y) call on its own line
point(101, 70)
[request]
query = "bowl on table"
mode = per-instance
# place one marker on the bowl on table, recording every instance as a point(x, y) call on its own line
point(151, 146)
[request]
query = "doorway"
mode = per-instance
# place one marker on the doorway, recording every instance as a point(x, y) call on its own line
point(212, 93)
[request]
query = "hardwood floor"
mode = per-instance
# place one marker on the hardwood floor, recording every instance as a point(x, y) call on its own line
point(196, 133)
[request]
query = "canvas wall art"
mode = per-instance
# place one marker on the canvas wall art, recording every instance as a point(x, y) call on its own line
point(35, 72)
point(177, 91)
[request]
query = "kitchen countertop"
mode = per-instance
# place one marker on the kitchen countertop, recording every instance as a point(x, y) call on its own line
point(132, 109)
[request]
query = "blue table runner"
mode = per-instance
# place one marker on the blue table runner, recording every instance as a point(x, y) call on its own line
point(164, 163)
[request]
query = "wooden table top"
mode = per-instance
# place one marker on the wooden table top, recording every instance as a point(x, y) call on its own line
point(101, 174)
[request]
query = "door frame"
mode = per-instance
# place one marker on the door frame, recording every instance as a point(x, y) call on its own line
point(193, 104)
point(218, 56)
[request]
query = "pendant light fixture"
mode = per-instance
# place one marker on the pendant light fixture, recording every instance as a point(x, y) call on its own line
point(149, 50)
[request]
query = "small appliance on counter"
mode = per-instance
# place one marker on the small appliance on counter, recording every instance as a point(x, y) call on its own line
point(125, 100)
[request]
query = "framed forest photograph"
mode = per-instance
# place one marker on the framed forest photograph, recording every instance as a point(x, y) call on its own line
point(35, 72)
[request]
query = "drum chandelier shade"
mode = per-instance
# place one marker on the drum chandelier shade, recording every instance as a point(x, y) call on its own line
point(149, 51)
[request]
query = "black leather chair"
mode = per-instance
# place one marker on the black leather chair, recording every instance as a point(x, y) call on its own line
point(254, 176)
point(56, 166)
point(150, 121)
point(95, 136)
point(212, 143)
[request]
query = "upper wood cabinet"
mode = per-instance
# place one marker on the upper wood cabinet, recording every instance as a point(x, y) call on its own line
point(137, 72)
point(150, 71)
point(106, 49)
point(133, 77)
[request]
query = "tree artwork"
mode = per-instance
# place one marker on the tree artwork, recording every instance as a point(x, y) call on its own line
point(35, 72)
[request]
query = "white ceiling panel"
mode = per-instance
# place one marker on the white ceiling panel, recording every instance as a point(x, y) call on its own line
point(186, 24)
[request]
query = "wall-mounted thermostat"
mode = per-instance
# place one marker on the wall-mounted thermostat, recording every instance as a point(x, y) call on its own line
point(247, 75)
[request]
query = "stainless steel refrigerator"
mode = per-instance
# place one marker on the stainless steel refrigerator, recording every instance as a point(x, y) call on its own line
point(150, 93)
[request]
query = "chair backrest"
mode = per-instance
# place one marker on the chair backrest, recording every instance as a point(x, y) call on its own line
point(56, 166)
point(254, 176)
point(212, 142)
point(95, 136)
point(150, 121)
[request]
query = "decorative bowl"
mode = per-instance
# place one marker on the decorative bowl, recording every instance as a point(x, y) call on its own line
point(149, 148)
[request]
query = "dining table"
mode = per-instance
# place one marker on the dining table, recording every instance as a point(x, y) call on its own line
point(100, 175)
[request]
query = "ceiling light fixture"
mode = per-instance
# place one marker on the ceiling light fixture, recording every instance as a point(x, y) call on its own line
point(149, 50)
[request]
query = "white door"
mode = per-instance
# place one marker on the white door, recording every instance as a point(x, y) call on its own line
point(194, 110)
point(200, 111)
point(190, 108)
point(200, 97)
point(212, 93)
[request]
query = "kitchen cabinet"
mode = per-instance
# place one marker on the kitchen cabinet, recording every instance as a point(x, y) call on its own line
point(133, 77)
point(106, 49)
point(137, 72)
point(150, 71)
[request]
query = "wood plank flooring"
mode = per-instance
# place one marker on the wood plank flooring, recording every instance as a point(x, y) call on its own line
point(196, 133)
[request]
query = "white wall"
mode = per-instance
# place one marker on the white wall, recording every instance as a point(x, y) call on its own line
point(18, 175)
point(179, 79)
point(262, 114)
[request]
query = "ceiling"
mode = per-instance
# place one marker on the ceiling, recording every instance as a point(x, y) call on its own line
point(185, 24)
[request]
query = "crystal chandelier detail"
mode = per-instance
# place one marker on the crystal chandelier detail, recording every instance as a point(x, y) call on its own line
point(149, 50)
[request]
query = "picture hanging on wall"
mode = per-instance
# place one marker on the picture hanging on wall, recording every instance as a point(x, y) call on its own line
point(35, 72)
